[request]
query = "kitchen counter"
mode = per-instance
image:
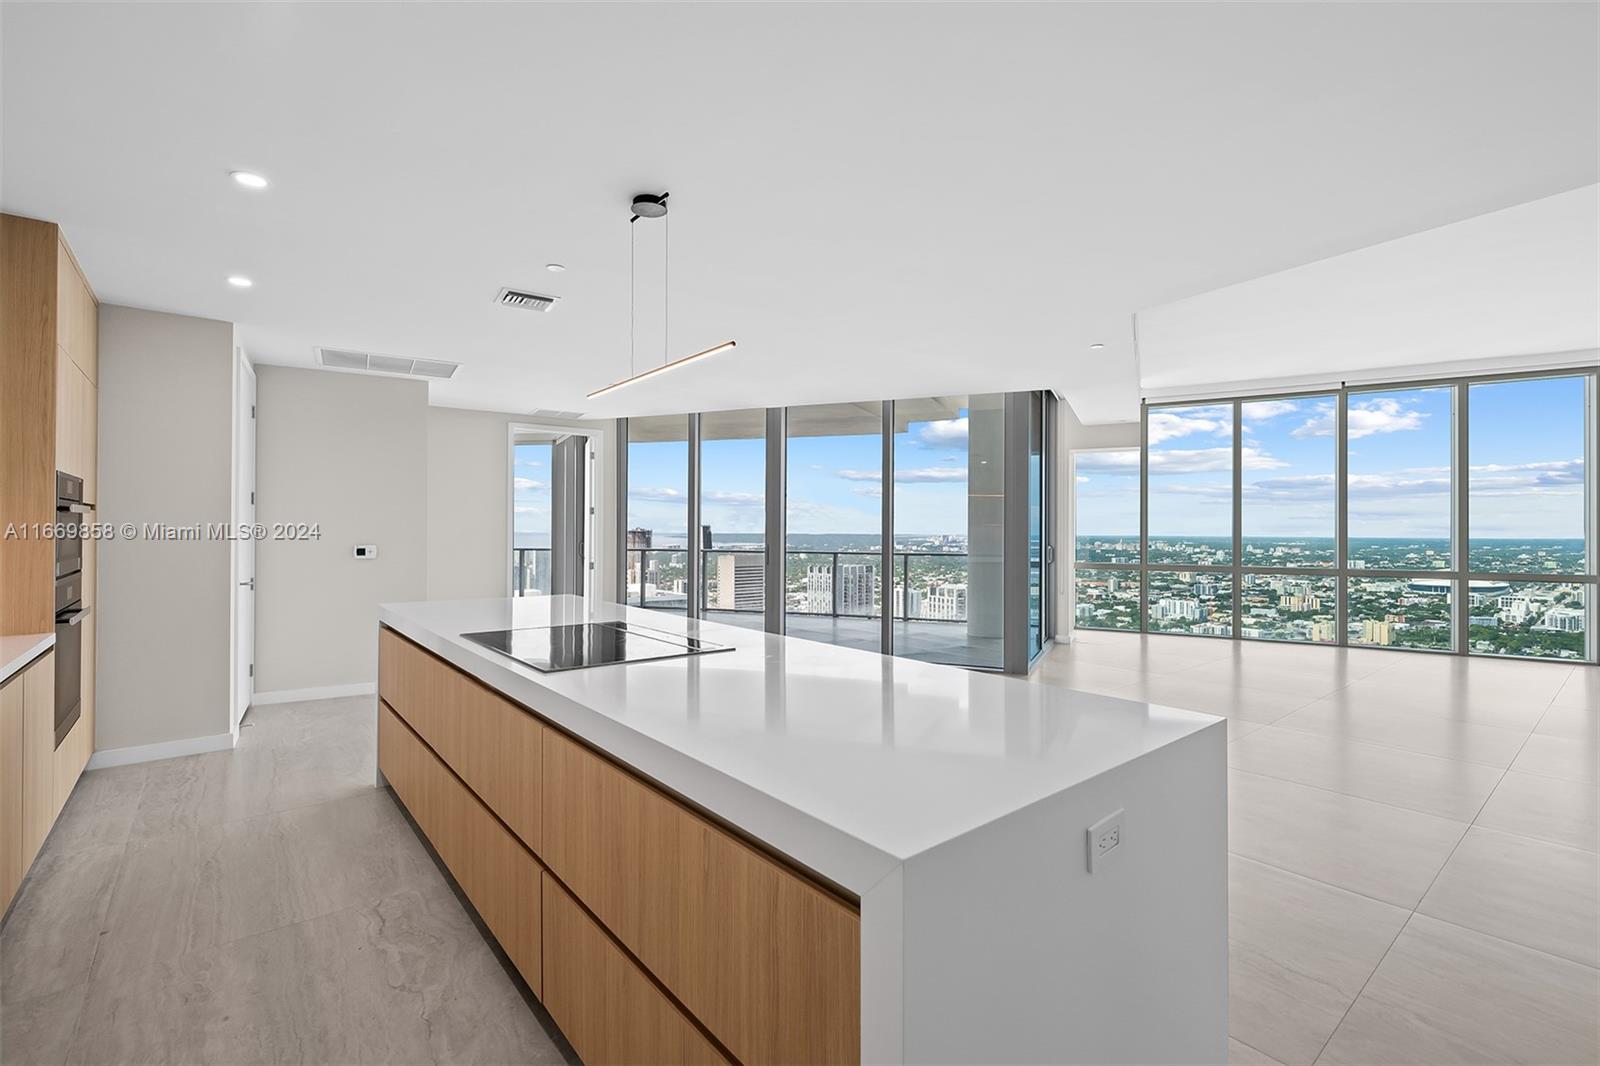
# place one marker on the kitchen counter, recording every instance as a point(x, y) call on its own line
point(20, 650)
point(954, 805)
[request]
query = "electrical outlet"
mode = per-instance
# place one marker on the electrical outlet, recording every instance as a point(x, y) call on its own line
point(1104, 837)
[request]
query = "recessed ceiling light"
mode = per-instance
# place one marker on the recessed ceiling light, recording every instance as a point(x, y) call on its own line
point(249, 180)
point(239, 281)
point(1096, 347)
point(554, 268)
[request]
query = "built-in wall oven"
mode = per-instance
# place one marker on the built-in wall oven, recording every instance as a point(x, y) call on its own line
point(70, 611)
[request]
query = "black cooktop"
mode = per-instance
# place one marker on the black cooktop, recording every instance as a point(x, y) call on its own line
point(573, 647)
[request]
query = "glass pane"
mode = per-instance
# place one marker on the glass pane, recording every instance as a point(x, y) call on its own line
point(1191, 484)
point(530, 525)
point(1287, 504)
point(1398, 465)
point(658, 512)
point(733, 510)
point(833, 587)
point(949, 497)
point(1289, 607)
point(1397, 612)
point(1035, 523)
point(1106, 599)
point(1190, 602)
point(1526, 448)
point(1105, 509)
point(1530, 618)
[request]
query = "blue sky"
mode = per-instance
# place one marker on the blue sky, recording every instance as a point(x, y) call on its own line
point(531, 495)
point(835, 482)
point(1526, 456)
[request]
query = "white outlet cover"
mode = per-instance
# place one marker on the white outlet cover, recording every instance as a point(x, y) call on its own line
point(1103, 838)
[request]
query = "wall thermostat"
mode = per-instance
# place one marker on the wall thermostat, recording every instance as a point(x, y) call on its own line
point(366, 551)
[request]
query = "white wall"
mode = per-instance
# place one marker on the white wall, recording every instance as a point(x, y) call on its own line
point(166, 402)
point(349, 453)
point(1071, 434)
point(469, 493)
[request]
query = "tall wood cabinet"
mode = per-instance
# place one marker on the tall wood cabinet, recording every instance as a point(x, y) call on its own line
point(49, 421)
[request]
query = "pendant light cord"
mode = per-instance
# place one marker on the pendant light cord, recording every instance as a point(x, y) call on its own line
point(633, 299)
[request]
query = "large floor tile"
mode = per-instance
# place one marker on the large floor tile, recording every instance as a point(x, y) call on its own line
point(1307, 680)
point(1387, 853)
point(50, 937)
point(404, 979)
point(1582, 689)
point(1546, 808)
point(1547, 756)
point(194, 889)
point(101, 809)
point(1444, 994)
point(1087, 675)
point(1298, 952)
point(1242, 1054)
point(1533, 893)
point(1576, 721)
point(1426, 783)
point(1212, 697)
point(37, 1031)
point(312, 723)
point(1154, 653)
point(1400, 726)
point(1501, 705)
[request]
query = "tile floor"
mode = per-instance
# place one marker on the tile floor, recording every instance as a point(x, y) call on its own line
point(1413, 869)
point(1413, 879)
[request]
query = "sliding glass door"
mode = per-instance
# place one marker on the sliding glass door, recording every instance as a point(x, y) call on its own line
point(733, 517)
point(657, 532)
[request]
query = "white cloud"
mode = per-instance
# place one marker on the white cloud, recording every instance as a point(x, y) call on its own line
point(657, 495)
point(1207, 460)
point(734, 499)
point(945, 431)
point(1561, 477)
point(1264, 410)
point(933, 474)
point(526, 484)
point(1122, 461)
point(1366, 418)
point(1082, 479)
point(1169, 425)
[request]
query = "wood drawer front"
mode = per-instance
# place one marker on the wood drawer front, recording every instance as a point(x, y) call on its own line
point(765, 960)
point(490, 742)
point(496, 872)
point(609, 1010)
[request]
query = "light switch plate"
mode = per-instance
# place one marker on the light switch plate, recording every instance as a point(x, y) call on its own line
point(366, 551)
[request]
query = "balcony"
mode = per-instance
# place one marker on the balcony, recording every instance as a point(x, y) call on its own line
point(530, 571)
point(825, 600)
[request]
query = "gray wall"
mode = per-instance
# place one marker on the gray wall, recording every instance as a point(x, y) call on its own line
point(1072, 434)
point(166, 402)
point(350, 453)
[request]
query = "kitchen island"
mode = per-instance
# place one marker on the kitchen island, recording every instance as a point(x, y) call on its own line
point(789, 851)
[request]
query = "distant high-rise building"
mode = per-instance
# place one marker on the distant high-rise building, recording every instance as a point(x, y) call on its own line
point(740, 582)
point(948, 603)
point(819, 590)
point(1373, 632)
point(1172, 609)
point(1563, 620)
point(908, 603)
point(858, 582)
point(639, 538)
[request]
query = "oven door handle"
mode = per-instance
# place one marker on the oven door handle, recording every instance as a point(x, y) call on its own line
point(75, 508)
point(72, 617)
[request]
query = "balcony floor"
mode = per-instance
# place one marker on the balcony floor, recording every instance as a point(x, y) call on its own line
point(934, 642)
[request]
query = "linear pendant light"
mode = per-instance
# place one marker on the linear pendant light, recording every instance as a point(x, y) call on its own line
point(615, 385)
point(650, 205)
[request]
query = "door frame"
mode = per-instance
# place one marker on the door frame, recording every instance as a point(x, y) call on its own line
point(243, 369)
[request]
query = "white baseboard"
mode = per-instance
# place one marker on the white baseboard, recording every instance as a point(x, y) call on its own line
point(167, 749)
point(325, 692)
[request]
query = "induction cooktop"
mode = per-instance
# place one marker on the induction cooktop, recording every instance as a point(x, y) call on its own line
point(574, 647)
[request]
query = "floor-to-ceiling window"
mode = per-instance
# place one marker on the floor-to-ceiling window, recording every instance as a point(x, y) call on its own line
point(1190, 493)
point(530, 517)
point(949, 525)
point(833, 562)
point(733, 516)
point(1037, 540)
point(1447, 516)
point(656, 551)
point(1528, 512)
point(1105, 539)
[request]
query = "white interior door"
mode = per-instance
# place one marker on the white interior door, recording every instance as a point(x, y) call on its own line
point(244, 547)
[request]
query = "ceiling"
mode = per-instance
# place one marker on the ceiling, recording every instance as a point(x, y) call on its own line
point(874, 200)
point(1519, 283)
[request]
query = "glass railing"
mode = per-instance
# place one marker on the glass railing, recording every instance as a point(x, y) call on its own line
point(530, 571)
point(931, 586)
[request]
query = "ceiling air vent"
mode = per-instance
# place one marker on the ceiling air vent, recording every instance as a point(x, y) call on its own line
point(371, 363)
point(542, 413)
point(528, 301)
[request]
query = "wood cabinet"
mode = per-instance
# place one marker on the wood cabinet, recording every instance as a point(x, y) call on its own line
point(660, 926)
point(767, 961)
point(609, 1010)
point(11, 717)
point(493, 744)
point(38, 754)
point(497, 873)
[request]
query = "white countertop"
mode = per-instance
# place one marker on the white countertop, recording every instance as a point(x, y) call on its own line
point(20, 650)
point(848, 761)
